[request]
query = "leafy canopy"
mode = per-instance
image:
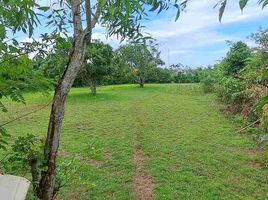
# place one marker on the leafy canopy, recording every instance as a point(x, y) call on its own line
point(236, 58)
point(98, 58)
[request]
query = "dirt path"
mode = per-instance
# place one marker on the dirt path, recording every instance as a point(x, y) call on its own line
point(143, 183)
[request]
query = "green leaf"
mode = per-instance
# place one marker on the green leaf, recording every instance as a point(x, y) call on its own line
point(15, 42)
point(178, 14)
point(2, 141)
point(265, 73)
point(30, 31)
point(264, 3)
point(2, 130)
point(2, 32)
point(139, 7)
point(155, 6)
point(128, 7)
point(43, 8)
point(263, 101)
point(102, 2)
point(222, 9)
point(3, 147)
point(2, 107)
point(242, 4)
point(13, 49)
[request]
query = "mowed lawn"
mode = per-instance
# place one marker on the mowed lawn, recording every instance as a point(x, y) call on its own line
point(191, 150)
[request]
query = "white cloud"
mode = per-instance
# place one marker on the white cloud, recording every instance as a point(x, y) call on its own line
point(113, 40)
point(178, 52)
point(197, 28)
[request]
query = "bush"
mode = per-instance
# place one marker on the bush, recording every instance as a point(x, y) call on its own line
point(208, 79)
point(239, 81)
point(188, 76)
point(160, 75)
point(230, 90)
point(208, 84)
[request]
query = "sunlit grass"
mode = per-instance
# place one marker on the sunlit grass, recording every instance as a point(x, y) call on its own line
point(192, 150)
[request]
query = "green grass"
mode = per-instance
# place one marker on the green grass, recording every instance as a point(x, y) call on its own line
point(191, 149)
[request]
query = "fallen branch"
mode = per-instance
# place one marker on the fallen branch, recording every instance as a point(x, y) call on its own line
point(25, 115)
point(248, 126)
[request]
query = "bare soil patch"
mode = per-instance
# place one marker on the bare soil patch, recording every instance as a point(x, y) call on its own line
point(142, 182)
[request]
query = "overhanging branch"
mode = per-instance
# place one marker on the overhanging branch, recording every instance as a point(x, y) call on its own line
point(97, 15)
point(77, 20)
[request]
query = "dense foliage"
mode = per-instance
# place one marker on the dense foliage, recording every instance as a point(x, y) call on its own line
point(239, 80)
point(98, 59)
point(105, 66)
point(18, 75)
point(185, 74)
point(141, 59)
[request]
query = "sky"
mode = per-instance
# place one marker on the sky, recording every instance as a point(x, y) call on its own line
point(197, 38)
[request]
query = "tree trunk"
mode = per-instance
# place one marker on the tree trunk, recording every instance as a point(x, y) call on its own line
point(93, 87)
point(33, 163)
point(141, 82)
point(46, 189)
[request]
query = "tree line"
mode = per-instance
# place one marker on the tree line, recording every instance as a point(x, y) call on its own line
point(128, 64)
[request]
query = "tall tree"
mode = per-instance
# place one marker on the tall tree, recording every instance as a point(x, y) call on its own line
point(140, 59)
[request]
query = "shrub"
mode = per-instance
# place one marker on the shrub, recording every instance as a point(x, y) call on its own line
point(209, 80)
point(230, 90)
point(208, 84)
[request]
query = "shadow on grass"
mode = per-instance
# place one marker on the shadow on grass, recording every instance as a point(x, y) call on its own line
point(130, 87)
point(86, 96)
point(130, 91)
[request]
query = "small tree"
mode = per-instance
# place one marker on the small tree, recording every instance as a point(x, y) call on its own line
point(98, 58)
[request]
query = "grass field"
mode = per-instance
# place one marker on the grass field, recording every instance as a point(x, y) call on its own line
point(170, 138)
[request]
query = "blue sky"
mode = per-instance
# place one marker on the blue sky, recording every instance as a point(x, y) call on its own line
point(197, 38)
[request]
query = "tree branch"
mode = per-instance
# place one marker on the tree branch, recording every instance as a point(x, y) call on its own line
point(88, 20)
point(77, 20)
point(88, 14)
point(25, 115)
point(96, 15)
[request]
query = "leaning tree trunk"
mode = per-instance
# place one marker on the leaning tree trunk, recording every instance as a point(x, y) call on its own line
point(47, 183)
point(47, 187)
